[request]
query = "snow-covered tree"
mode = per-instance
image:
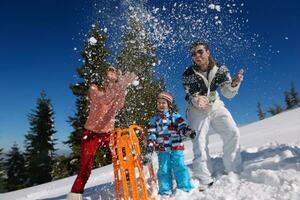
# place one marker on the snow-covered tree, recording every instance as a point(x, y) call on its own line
point(92, 71)
point(261, 115)
point(138, 55)
point(39, 142)
point(15, 169)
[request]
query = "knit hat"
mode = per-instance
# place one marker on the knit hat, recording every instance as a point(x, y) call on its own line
point(166, 96)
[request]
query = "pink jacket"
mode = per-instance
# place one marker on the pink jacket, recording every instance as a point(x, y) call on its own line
point(104, 106)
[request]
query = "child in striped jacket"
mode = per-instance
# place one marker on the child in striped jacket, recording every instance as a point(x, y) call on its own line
point(166, 131)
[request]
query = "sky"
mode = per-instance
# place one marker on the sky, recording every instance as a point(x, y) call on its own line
point(41, 43)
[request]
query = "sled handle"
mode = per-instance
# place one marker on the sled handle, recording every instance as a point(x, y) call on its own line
point(150, 165)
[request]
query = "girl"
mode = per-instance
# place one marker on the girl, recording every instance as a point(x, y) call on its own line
point(166, 131)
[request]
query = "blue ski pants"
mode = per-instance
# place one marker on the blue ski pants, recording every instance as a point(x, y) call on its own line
point(172, 162)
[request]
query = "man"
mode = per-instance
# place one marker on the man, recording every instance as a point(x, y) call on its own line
point(104, 104)
point(205, 110)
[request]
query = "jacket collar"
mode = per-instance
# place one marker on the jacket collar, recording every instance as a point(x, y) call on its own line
point(211, 74)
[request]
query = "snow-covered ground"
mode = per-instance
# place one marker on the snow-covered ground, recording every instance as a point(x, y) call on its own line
point(271, 162)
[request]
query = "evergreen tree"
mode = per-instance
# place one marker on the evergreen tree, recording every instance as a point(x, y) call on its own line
point(288, 100)
point(138, 55)
point(2, 173)
point(39, 142)
point(60, 168)
point(15, 169)
point(272, 111)
point(92, 71)
point(291, 98)
point(294, 96)
point(276, 110)
point(260, 113)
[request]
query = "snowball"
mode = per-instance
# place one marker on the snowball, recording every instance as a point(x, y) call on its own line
point(214, 7)
point(135, 83)
point(218, 8)
point(218, 22)
point(211, 6)
point(92, 40)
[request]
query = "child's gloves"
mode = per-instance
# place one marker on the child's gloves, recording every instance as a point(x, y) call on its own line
point(148, 156)
point(150, 148)
point(146, 160)
point(187, 132)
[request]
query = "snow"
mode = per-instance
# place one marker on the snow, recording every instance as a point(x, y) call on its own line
point(172, 28)
point(92, 40)
point(135, 83)
point(215, 7)
point(271, 168)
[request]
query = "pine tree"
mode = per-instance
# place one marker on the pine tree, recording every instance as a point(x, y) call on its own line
point(261, 115)
point(288, 100)
point(138, 55)
point(92, 71)
point(60, 168)
point(15, 169)
point(294, 96)
point(39, 142)
point(2, 173)
point(276, 110)
point(272, 111)
point(291, 98)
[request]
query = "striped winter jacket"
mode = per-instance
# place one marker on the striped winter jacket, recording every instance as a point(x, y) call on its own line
point(163, 131)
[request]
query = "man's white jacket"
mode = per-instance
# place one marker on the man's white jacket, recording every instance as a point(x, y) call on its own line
point(199, 84)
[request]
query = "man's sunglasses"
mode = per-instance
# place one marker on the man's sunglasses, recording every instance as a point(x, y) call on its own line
point(199, 51)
